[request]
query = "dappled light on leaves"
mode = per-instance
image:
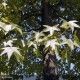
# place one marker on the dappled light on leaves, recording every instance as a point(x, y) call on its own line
point(69, 24)
point(51, 29)
point(30, 29)
point(70, 43)
point(9, 27)
point(10, 51)
point(52, 44)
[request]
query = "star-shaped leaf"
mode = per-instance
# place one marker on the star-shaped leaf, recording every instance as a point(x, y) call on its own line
point(52, 44)
point(69, 24)
point(64, 24)
point(72, 24)
point(9, 27)
point(30, 43)
point(10, 51)
point(6, 27)
point(51, 29)
point(38, 35)
point(70, 43)
point(15, 26)
point(9, 43)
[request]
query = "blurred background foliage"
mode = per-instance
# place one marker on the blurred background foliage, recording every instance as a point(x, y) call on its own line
point(31, 15)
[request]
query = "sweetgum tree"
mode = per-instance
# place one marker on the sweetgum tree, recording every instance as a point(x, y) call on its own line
point(49, 43)
point(41, 40)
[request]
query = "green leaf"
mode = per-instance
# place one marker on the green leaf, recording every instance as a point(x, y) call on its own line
point(75, 37)
point(5, 27)
point(56, 51)
point(68, 57)
point(9, 42)
point(23, 43)
point(30, 43)
point(37, 52)
point(67, 41)
point(64, 21)
point(9, 27)
point(5, 20)
point(51, 29)
point(38, 35)
point(70, 43)
point(15, 26)
point(4, 4)
point(77, 44)
point(64, 24)
point(63, 55)
point(76, 40)
point(69, 24)
point(52, 43)
point(72, 24)
point(10, 51)
point(19, 57)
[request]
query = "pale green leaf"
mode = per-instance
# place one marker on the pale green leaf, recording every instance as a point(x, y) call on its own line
point(19, 30)
point(72, 24)
point(63, 53)
point(51, 29)
point(77, 44)
point(5, 20)
point(4, 4)
point(38, 35)
point(64, 21)
point(9, 27)
point(5, 27)
point(15, 26)
point(64, 24)
point(69, 24)
point(68, 58)
point(9, 42)
point(23, 43)
point(19, 57)
point(52, 44)
point(69, 42)
point(36, 51)
point(65, 56)
point(56, 51)
point(30, 43)
point(10, 51)
point(76, 38)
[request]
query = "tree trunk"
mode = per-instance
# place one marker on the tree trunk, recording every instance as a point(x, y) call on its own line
point(50, 71)
point(45, 16)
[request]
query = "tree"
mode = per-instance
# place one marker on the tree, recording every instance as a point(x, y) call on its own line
point(19, 11)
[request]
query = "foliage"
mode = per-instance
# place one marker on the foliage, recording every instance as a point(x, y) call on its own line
point(61, 39)
point(52, 40)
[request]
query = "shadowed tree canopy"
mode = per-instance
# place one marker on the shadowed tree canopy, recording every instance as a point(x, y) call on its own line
point(31, 15)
